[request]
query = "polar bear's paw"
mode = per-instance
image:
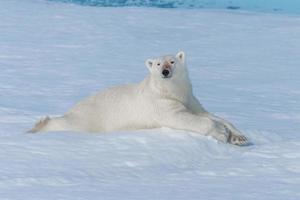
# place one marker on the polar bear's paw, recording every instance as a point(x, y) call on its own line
point(39, 125)
point(239, 140)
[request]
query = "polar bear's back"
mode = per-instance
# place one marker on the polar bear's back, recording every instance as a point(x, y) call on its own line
point(109, 110)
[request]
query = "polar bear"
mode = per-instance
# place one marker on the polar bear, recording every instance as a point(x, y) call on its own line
point(163, 99)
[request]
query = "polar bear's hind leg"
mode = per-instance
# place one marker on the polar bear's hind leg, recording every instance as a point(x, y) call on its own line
point(50, 124)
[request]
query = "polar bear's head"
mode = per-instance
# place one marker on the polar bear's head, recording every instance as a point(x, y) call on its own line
point(168, 66)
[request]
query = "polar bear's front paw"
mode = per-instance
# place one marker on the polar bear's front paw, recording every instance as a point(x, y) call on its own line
point(239, 140)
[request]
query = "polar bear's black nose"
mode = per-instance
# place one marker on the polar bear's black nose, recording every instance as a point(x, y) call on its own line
point(165, 72)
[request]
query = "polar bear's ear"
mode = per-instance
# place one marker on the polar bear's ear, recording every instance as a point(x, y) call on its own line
point(180, 56)
point(149, 63)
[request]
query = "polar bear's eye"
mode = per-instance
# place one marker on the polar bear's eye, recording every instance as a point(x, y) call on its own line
point(158, 64)
point(172, 62)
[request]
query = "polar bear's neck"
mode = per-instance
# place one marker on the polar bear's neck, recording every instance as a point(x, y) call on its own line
point(177, 87)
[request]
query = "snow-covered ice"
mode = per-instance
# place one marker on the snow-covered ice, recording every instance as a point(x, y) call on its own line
point(244, 67)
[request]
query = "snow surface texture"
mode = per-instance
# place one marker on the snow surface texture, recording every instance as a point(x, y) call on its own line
point(244, 67)
point(276, 6)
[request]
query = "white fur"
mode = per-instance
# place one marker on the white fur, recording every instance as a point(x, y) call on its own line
point(153, 103)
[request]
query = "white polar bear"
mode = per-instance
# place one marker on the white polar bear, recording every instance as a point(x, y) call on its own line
point(162, 99)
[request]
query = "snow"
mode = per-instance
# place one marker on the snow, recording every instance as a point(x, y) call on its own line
point(244, 67)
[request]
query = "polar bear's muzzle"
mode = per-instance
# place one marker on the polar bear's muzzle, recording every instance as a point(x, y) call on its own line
point(166, 71)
